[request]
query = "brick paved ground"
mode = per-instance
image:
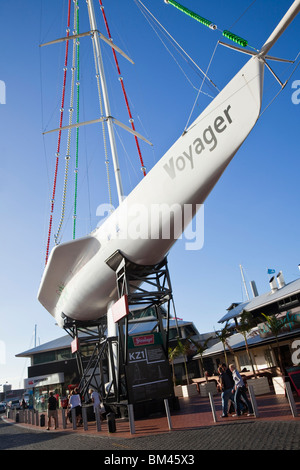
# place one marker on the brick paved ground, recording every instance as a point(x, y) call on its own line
point(193, 429)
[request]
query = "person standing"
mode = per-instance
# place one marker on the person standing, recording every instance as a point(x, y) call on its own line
point(75, 402)
point(52, 411)
point(226, 383)
point(95, 397)
point(240, 392)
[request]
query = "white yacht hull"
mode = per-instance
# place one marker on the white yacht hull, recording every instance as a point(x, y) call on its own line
point(77, 282)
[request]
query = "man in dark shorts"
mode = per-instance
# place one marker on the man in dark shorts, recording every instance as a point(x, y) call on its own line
point(52, 410)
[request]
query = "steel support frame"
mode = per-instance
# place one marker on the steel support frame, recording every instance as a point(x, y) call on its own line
point(145, 286)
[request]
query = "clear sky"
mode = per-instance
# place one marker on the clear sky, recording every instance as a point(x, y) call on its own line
point(251, 217)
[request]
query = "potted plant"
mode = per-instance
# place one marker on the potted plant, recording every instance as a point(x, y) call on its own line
point(181, 349)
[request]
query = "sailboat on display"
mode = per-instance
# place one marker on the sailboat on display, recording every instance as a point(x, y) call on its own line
point(77, 282)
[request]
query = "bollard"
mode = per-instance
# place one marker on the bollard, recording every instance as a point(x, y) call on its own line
point(253, 400)
point(84, 418)
point(131, 419)
point(212, 406)
point(63, 418)
point(98, 419)
point(42, 420)
point(166, 401)
point(111, 422)
point(73, 413)
point(291, 399)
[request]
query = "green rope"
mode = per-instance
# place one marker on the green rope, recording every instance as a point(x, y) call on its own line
point(192, 14)
point(227, 34)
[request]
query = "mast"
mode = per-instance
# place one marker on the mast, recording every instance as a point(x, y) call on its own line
point(280, 28)
point(109, 119)
point(242, 273)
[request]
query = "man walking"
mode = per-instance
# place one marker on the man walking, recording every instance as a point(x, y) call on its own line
point(52, 411)
point(240, 392)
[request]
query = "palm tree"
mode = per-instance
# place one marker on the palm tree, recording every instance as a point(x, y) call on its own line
point(223, 336)
point(181, 349)
point(201, 347)
point(245, 326)
point(275, 325)
point(173, 353)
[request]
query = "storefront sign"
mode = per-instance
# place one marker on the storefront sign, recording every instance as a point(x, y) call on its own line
point(44, 380)
point(291, 322)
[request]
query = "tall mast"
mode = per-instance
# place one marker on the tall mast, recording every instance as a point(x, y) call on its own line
point(243, 277)
point(99, 65)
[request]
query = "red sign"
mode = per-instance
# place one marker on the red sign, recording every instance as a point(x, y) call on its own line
point(74, 345)
point(143, 340)
point(120, 309)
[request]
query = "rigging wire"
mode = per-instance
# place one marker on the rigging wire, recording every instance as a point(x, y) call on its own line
point(282, 87)
point(103, 124)
point(77, 121)
point(172, 39)
point(59, 134)
point(131, 120)
point(199, 91)
point(71, 112)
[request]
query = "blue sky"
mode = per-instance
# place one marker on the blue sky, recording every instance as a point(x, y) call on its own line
point(251, 216)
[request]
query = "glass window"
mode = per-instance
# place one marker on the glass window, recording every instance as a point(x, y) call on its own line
point(189, 331)
point(63, 354)
point(41, 358)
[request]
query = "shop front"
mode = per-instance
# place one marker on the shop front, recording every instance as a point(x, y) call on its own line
point(42, 386)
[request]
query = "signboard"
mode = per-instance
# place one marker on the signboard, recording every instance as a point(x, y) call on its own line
point(43, 380)
point(74, 345)
point(294, 375)
point(120, 309)
point(291, 322)
point(148, 371)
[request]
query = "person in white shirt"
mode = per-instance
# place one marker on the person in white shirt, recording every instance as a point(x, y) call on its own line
point(239, 392)
point(75, 402)
point(97, 402)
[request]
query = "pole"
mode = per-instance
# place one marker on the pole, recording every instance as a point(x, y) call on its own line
point(131, 419)
point(212, 405)
point(280, 28)
point(166, 402)
point(100, 69)
point(291, 399)
point(253, 400)
point(242, 273)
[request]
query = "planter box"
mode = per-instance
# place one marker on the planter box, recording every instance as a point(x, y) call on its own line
point(279, 386)
point(260, 385)
point(206, 388)
point(178, 391)
point(189, 390)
